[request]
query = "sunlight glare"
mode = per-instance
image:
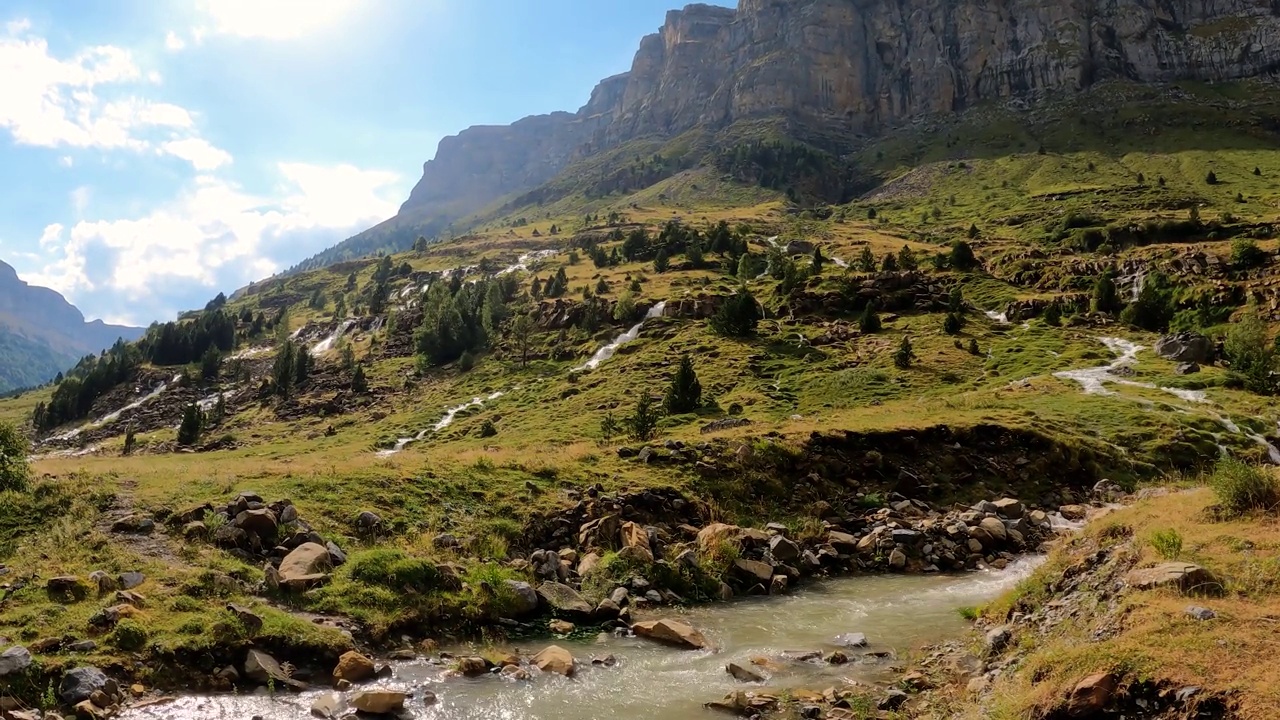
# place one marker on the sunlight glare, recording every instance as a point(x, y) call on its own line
point(274, 19)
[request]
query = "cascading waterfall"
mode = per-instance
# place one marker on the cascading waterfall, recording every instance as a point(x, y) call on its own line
point(328, 343)
point(449, 416)
point(611, 349)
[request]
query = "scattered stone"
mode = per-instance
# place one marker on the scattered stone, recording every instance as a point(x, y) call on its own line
point(742, 674)
point(897, 559)
point(893, 700)
point(1186, 369)
point(554, 659)
point(752, 571)
point(263, 668)
point(81, 646)
point(86, 710)
point(1091, 695)
point(997, 639)
point(473, 666)
point(14, 660)
point(354, 667)
point(1201, 613)
point(104, 582)
point(836, 657)
point(1185, 348)
point(783, 550)
point(305, 566)
point(80, 683)
point(67, 586)
point(564, 599)
point(525, 598)
point(130, 580)
point(1074, 513)
point(671, 632)
point(605, 661)
point(429, 698)
point(136, 524)
point(342, 685)
point(1009, 508)
point(1183, 576)
point(326, 706)
point(995, 529)
point(336, 556)
point(561, 627)
point(380, 701)
point(915, 681)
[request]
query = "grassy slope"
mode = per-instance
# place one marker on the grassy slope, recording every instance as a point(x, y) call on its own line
point(548, 424)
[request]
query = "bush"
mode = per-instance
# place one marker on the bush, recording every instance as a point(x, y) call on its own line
point(953, 324)
point(129, 636)
point(1246, 254)
point(737, 317)
point(1242, 488)
point(1168, 543)
point(14, 471)
point(395, 570)
point(1211, 178)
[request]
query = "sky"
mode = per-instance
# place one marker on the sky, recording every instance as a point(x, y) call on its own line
point(156, 152)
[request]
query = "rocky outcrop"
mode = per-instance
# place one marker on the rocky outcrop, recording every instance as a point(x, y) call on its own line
point(840, 68)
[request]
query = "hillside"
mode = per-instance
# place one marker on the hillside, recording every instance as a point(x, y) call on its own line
point(823, 75)
point(41, 334)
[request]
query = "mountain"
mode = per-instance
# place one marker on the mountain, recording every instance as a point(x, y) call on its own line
point(831, 73)
point(41, 334)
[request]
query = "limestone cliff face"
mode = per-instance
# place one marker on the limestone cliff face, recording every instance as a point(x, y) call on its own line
point(855, 66)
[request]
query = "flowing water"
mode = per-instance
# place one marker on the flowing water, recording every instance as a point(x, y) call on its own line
point(449, 416)
point(327, 344)
point(998, 317)
point(896, 612)
point(611, 349)
point(113, 416)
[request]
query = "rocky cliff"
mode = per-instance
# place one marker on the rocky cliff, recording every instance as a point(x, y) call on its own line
point(850, 68)
point(42, 334)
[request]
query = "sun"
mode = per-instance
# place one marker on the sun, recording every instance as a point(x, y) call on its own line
point(274, 19)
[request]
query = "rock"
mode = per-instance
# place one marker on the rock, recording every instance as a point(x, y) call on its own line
point(264, 669)
point(525, 598)
point(606, 661)
point(67, 586)
point(607, 610)
point(261, 522)
point(893, 700)
point(14, 661)
point(368, 521)
point(80, 683)
point(1185, 348)
point(835, 657)
point(516, 673)
point(136, 524)
point(354, 667)
point(1199, 613)
point(130, 580)
point(742, 674)
point(429, 698)
point(753, 571)
point(589, 562)
point(915, 681)
point(850, 640)
point(995, 529)
point(783, 550)
point(561, 627)
point(1009, 508)
point(86, 710)
point(81, 646)
point(716, 534)
point(326, 706)
point(554, 659)
point(250, 620)
point(336, 556)
point(997, 639)
point(104, 582)
point(977, 685)
point(564, 599)
point(778, 584)
point(635, 536)
point(305, 566)
point(897, 559)
point(636, 555)
point(1186, 369)
point(379, 701)
point(446, 541)
point(670, 632)
point(473, 666)
point(1074, 513)
point(842, 542)
point(1183, 576)
point(1091, 695)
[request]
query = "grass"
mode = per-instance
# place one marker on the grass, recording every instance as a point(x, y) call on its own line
point(1242, 488)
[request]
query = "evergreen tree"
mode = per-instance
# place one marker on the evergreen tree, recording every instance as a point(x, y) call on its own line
point(602, 287)
point(685, 393)
point(1053, 314)
point(738, 316)
point(952, 325)
point(210, 363)
point(973, 347)
point(1253, 359)
point(609, 427)
point(302, 365)
point(643, 423)
point(283, 368)
point(660, 261)
point(818, 261)
point(1106, 298)
point(535, 289)
point(907, 259)
point(130, 441)
point(192, 424)
point(359, 383)
point(905, 355)
point(1211, 178)
point(869, 321)
point(522, 329)
point(890, 263)
point(867, 261)
point(747, 267)
point(694, 254)
point(420, 245)
point(14, 470)
point(625, 309)
point(973, 231)
point(955, 301)
point(962, 257)
point(220, 409)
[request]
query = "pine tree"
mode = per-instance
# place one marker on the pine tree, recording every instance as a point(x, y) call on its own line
point(535, 289)
point(643, 423)
point(189, 430)
point(694, 254)
point(359, 383)
point(522, 332)
point(955, 301)
point(869, 321)
point(660, 262)
point(952, 325)
point(889, 264)
point(130, 441)
point(867, 261)
point(907, 259)
point(1106, 298)
point(210, 363)
point(685, 393)
point(746, 267)
point(962, 257)
point(609, 427)
point(973, 231)
point(738, 316)
point(219, 410)
point(302, 365)
point(283, 368)
point(905, 355)
point(973, 347)
point(1053, 315)
point(1211, 178)
point(818, 261)
point(602, 287)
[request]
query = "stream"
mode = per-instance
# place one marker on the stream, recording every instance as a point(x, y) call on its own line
point(611, 349)
point(898, 613)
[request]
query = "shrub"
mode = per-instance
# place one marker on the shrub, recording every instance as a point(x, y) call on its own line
point(869, 322)
point(488, 429)
point(1211, 178)
point(395, 570)
point(737, 317)
point(904, 355)
point(685, 393)
point(1168, 543)
point(1246, 254)
point(129, 636)
point(1241, 487)
point(952, 325)
point(13, 458)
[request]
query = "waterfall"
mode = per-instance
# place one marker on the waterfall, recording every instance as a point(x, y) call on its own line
point(609, 350)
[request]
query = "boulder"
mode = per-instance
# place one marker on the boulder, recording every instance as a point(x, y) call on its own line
point(589, 562)
point(1009, 508)
point(67, 586)
point(1186, 369)
point(336, 555)
point(305, 566)
point(561, 627)
point(261, 522)
point(104, 582)
point(251, 621)
point(1199, 613)
point(525, 598)
point(995, 529)
point(326, 706)
point(897, 559)
point(1074, 513)
point(564, 599)
point(716, 534)
point(1182, 576)
point(842, 542)
point(354, 667)
point(263, 668)
point(742, 674)
point(80, 683)
point(635, 536)
point(783, 550)
point(753, 571)
point(554, 659)
point(671, 632)
point(130, 580)
point(1091, 695)
point(1185, 348)
point(379, 702)
point(473, 666)
point(14, 660)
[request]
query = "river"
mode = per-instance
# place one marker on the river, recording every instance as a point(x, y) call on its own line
point(896, 612)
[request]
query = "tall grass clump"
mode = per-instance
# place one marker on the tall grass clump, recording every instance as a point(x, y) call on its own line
point(1242, 488)
point(1168, 543)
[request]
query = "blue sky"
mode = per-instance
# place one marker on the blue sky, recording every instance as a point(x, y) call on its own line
point(155, 153)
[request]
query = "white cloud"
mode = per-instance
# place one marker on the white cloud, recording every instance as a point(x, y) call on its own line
point(197, 151)
point(66, 161)
point(17, 27)
point(80, 198)
point(78, 102)
point(173, 43)
point(214, 236)
point(271, 19)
